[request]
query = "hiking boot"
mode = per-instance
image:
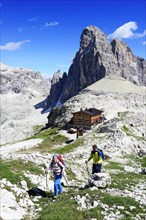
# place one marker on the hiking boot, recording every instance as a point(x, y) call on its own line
point(54, 199)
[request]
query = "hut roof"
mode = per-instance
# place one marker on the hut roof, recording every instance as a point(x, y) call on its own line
point(90, 111)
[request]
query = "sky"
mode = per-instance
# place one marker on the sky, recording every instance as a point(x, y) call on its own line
point(44, 35)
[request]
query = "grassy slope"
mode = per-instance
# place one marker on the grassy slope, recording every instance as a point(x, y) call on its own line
point(66, 206)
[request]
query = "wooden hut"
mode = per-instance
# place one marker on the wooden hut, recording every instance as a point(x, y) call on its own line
point(86, 118)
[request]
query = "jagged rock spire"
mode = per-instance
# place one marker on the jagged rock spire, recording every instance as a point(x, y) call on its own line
point(95, 59)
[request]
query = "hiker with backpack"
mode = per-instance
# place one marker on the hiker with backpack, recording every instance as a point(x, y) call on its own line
point(97, 156)
point(58, 169)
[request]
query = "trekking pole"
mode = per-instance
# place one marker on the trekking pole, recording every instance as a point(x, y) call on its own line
point(88, 172)
point(46, 182)
point(65, 179)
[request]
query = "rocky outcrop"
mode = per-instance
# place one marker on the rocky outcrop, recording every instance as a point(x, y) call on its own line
point(100, 180)
point(15, 202)
point(95, 59)
point(56, 113)
point(57, 83)
point(131, 67)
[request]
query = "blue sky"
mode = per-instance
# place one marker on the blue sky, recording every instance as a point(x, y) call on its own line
point(44, 35)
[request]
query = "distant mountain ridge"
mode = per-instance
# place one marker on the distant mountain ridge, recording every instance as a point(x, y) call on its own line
point(20, 90)
point(22, 80)
point(95, 59)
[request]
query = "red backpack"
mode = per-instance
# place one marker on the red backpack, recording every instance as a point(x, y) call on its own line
point(59, 157)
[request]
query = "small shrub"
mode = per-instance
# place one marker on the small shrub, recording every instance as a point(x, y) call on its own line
point(124, 128)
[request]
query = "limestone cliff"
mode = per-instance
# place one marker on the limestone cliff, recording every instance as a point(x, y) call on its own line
point(95, 59)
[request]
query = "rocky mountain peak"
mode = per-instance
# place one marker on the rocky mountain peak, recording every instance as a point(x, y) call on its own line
point(131, 67)
point(57, 83)
point(56, 77)
point(95, 59)
point(121, 48)
point(90, 35)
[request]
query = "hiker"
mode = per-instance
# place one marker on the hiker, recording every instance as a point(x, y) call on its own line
point(97, 160)
point(58, 169)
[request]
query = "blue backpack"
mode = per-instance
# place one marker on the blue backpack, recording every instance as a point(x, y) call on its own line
point(100, 153)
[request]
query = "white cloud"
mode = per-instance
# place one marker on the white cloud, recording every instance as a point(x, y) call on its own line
point(144, 43)
point(13, 45)
point(54, 23)
point(140, 35)
point(127, 31)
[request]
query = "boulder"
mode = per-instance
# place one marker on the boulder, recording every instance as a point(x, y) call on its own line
point(100, 180)
point(23, 185)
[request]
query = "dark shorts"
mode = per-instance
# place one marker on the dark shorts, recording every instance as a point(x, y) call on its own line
point(96, 168)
